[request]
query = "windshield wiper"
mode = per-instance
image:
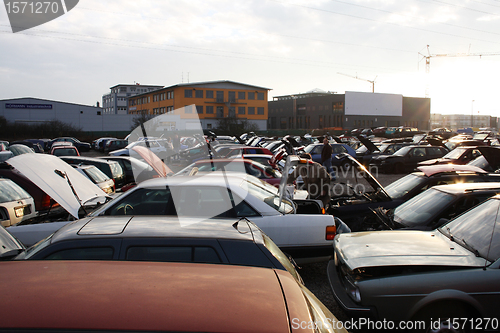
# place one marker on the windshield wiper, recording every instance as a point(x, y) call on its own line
point(472, 249)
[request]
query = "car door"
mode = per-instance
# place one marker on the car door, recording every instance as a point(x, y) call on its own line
point(415, 155)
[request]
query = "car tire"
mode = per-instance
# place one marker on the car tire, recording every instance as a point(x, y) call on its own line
point(439, 318)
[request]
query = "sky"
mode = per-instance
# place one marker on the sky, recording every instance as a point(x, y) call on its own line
point(288, 46)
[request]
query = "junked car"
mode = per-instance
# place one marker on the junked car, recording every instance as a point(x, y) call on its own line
point(459, 155)
point(353, 206)
point(407, 158)
point(449, 277)
point(305, 236)
point(16, 204)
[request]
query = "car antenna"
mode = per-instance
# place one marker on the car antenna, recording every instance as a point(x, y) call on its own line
point(63, 174)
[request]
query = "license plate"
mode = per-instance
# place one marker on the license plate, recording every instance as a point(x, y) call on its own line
point(19, 211)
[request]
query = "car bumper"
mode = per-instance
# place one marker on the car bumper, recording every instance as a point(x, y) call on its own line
point(307, 254)
point(347, 304)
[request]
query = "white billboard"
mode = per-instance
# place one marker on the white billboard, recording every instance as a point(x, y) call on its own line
point(373, 104)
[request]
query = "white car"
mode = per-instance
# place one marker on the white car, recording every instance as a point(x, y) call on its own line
point(16, 204)
point(305, 236)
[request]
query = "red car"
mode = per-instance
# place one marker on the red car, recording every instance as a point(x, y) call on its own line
point(261, 171)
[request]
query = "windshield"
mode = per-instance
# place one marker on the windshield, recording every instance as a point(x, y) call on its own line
point(480, 162)
point(455, 153)
point(418, 210)
point(403, 151)
point(402, 186)
point(96, 175)
point(309, 148)
point(10, 191)
point(20, 149)
point(477, 229)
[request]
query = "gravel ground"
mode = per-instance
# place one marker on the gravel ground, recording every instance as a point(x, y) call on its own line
point(314, 275)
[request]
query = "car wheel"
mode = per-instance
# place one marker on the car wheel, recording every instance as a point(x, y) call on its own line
point(446, 317)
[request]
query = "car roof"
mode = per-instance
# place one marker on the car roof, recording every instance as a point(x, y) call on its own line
point(432, 170)
point(146, 296)
point(88, 159)
point(468, 187)
point(157, 226)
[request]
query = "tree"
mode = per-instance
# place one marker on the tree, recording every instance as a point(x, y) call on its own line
point(141, 119)
point(234, 125)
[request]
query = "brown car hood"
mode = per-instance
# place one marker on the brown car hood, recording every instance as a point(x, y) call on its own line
point(156, 163)
point(143, 296)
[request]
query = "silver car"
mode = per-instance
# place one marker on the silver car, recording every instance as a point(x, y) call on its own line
point(448, 278)
point(16, 204)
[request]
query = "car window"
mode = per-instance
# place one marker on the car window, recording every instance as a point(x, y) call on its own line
point(204, 201)
point(10, 191)
point(144, 201)
point(435, 151)
point(479, 229)
point(90, 253)
point(201, 254)
point(96, 175)
point(116, 169)
point(338, 149)
point(418, 152)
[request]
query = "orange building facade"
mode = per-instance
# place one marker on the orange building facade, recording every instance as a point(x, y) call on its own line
point(213, 100)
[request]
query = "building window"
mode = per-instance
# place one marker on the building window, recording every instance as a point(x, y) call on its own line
point(188, 93)
point(260, 96)
point(231, 95)
point(241, 95)
point(241, 110)
point(232, 111)
point(209, 109)
point(260, 110)
point(220, 112)
point(220, 97)
point(251, 95)
point(198, 94)
point(199, 109)
point(251, 109)
point(209, 94)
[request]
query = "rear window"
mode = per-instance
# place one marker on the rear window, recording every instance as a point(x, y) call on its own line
point(96, 175)
point(116, 169)
point(65, 152)
point(10, 191)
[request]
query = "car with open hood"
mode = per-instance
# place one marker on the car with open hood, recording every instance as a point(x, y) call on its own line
point(369, 150)
point(441, 276)
point(353, 206)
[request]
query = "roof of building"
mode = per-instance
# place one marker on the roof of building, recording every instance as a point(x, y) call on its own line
point(46, 100)
point(136, 85)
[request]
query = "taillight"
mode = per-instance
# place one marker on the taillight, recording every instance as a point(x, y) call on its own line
point(330, 233)
point(45, 201)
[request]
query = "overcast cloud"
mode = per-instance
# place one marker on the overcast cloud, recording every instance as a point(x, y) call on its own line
point(289, 46)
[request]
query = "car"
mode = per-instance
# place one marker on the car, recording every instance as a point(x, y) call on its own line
point(114, 144)
point(298, 227)
point(135, 169)
point(238, 151)
point(338, 148)
point(52, 182)
point(160, 296)
point(37, 148)
point(459, 155)
point(441, 276)
point(64, 150)
point(153, 145)
point(407, 158)
point(433, 207)
point(369, 150)
point(404, 132)
point(444, 133)
point(16, 204)
point(97, 177)
point(111, 169)
point(81, 146)
point(19, 149)
point(489, 159)
point(96, 144)
point(261, 171)
point(357, 203)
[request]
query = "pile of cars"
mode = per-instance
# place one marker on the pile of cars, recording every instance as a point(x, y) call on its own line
point(424, 248)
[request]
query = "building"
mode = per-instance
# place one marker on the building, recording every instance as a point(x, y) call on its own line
point(456, 121)
point(319, 109)
point(116, 101)
point(86, 117)
point(213, 100)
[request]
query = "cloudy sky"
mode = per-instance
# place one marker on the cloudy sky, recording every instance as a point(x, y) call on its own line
point(289, 46)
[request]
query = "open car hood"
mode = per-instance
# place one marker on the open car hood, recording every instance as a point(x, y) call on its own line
point(366, 174)
point(369, 145)
point(492, 155)
point(291, 161)
point(154, 161)
point(43, 170)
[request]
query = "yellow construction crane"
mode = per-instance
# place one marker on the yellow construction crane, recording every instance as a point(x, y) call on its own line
point(429, 56)
point(356, 77)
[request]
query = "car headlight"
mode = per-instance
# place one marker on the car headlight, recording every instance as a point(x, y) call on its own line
point(353, 292)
